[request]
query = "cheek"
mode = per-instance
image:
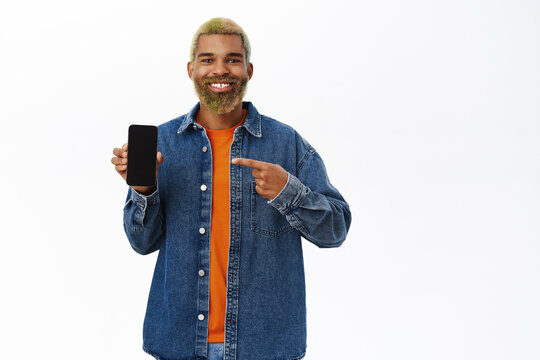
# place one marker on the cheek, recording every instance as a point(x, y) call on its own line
point(198, 78)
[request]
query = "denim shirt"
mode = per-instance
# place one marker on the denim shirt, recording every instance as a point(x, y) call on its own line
point(265, 314)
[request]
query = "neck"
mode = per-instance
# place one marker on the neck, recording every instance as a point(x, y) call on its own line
point(214, 121)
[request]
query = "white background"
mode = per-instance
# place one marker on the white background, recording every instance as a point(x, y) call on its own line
point(427, 116)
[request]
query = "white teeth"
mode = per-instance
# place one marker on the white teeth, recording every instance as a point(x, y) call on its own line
point(220, 85)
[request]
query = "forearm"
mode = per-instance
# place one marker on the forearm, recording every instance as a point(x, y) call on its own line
point(143, 221)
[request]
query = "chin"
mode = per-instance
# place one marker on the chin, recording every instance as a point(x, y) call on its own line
point(221, 108)
point(220, 103)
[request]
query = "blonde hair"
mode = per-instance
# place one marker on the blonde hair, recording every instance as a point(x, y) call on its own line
point(223, 26)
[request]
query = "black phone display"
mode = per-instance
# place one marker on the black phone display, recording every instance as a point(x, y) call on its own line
point(142, 152)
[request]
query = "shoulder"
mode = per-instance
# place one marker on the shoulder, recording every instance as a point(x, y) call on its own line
point(168, 133)
point(171, 126)
point(284, 133)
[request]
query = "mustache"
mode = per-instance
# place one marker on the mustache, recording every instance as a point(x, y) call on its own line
point(220, 79)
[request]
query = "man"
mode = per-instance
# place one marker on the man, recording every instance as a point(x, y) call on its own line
point(236, 191)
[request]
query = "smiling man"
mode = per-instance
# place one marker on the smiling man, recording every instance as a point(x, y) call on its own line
point(220, 86)
point(236, 191)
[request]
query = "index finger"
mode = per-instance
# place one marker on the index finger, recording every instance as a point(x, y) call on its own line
point(120, 151)
point(254, 164)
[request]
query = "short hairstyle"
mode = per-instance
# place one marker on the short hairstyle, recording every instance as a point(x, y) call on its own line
point(222, 26)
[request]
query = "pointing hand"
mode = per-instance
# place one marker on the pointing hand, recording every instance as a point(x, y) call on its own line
point(270, 178)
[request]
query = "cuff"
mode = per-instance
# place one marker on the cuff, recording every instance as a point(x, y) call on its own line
point(142, 201)
point(290, 197)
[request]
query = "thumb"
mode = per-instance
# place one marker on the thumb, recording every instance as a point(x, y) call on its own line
point(160, 158)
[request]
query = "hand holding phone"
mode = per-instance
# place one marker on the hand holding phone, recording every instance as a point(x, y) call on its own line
point(120, 160)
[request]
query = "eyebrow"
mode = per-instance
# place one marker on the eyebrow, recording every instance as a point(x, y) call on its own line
point(233, 54)
point(236, 55)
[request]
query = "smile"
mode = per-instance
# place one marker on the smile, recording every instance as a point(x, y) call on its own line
point(220, 85)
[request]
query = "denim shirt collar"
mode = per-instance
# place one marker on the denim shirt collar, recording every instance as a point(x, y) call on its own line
point(252, 123)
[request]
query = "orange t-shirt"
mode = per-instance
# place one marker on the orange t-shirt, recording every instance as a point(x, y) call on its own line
point(220, 141)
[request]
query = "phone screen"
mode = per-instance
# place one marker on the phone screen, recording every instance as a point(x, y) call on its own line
point(142, 151)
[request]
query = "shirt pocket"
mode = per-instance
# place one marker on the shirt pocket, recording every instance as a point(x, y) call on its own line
point(265, 219)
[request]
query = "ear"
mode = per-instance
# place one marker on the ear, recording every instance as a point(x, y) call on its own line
point(190, 70)
point(250, 70)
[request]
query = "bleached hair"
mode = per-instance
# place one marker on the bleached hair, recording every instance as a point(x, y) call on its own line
point(223, 26)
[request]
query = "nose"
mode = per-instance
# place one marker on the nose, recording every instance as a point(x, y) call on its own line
point(220, 69)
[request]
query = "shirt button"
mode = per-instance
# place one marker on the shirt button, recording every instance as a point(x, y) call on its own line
point(201, 317)
point(203, 187)
point(201, 272)
point(204, 149)
point(202, 230)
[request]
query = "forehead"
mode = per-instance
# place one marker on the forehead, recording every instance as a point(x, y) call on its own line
point(220, 44)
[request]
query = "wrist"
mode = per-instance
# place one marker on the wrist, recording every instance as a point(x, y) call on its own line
point(144, 190)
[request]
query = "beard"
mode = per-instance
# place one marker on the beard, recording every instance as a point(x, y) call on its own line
point(221, 102)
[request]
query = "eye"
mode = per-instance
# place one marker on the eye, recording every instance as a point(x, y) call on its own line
point(233, 60)
point(206, 60)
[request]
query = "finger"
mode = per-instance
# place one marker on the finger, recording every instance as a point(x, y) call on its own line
point(120, 168)
point(260, 191)
point(257, 174)
point(124, 146)
point(259, 182)
point(118, 161)
point(160, 158)
point(254, 164)
point(120, 152)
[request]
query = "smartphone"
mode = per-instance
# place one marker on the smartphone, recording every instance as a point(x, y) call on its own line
point(142, 152)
